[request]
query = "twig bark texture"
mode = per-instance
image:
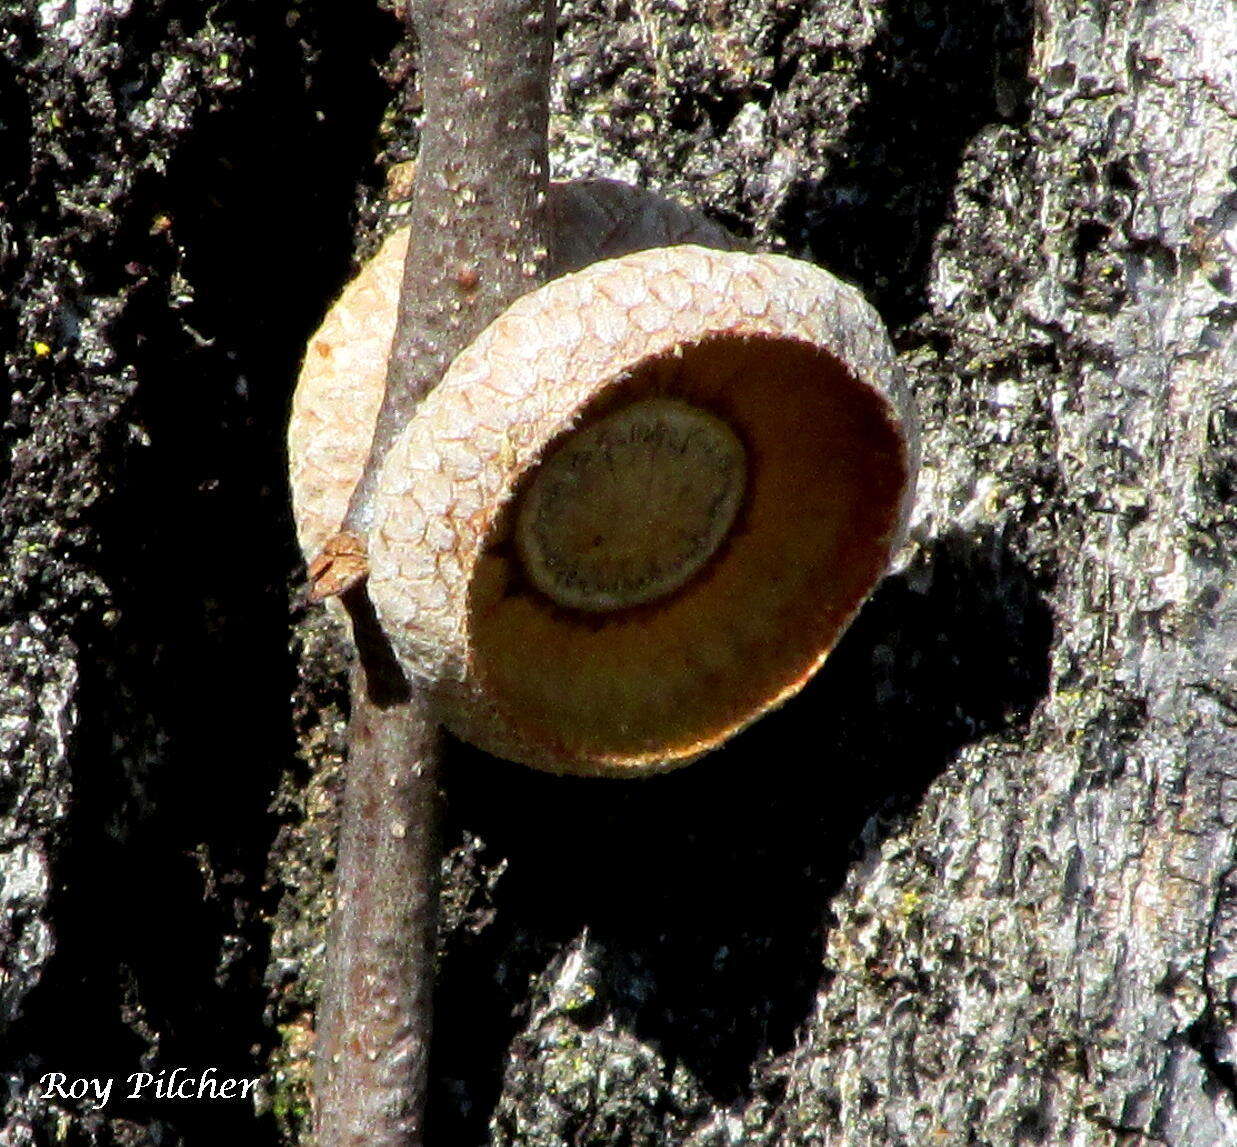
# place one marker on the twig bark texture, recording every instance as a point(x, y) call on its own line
point(375, 1016)
point(479, 221)
point(479, 240)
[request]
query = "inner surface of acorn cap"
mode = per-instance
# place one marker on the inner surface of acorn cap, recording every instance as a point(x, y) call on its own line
point(644, 618)
point(628, 509)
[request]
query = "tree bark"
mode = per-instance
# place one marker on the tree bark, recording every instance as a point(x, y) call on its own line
point(974, 885)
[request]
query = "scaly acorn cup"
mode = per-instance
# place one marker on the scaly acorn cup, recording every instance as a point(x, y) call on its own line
point(344, 371)
point(642, 506)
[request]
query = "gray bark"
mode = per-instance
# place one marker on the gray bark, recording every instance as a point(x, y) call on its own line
point(973, 886)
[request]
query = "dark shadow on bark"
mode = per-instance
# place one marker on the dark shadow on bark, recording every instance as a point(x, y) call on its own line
point(707, 890)
point(185, 720)
point(938, 72)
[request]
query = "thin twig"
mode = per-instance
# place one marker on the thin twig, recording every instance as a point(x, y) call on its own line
point(479, 220)
point(376, 1012)
point(480, 239)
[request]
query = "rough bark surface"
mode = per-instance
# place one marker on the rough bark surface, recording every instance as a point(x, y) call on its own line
point(974, 885)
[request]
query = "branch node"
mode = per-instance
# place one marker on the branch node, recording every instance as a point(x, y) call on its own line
point(342, 565)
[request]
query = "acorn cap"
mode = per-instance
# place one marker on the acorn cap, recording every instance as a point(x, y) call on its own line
point(344, 371)
point(642, 506)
